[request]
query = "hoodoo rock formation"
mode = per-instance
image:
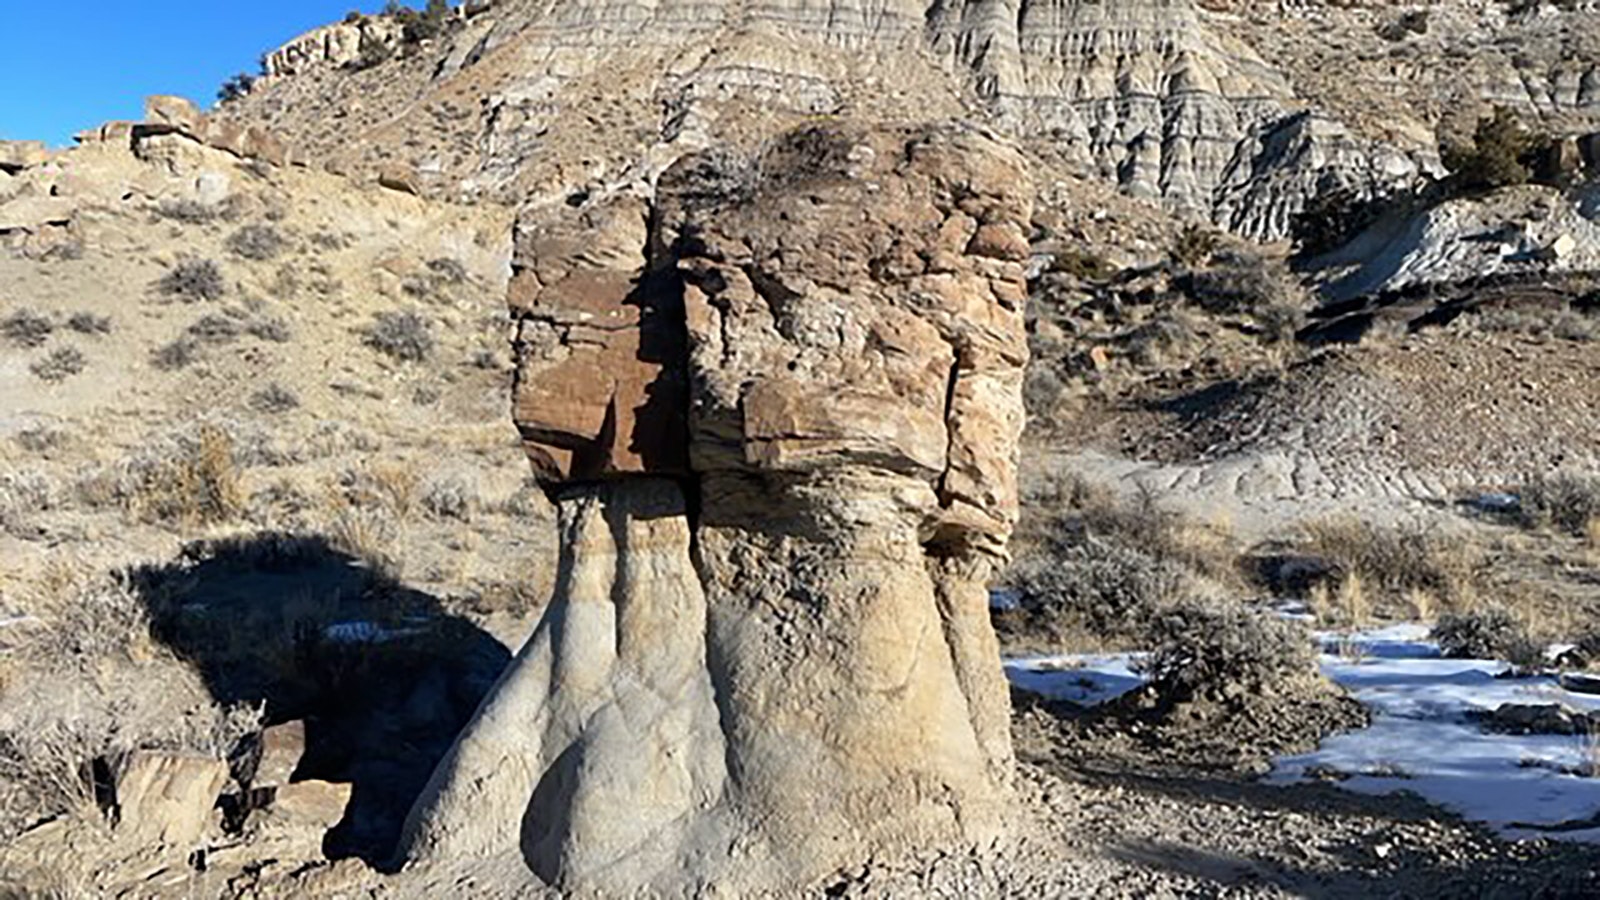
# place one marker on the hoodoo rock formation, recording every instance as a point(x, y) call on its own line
point(778, 404)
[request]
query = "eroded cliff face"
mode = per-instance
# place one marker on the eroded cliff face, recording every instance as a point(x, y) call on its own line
point(1215, 114)
point(784, 455)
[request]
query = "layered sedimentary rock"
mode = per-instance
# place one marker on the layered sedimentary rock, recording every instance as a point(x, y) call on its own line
point(783, 451)
point(1141, 93)
point(1158, 96)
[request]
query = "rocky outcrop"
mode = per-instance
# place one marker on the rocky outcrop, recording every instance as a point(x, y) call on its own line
point(18, 155)
point(778, 405)
point(1146, 94)
point(330, 46)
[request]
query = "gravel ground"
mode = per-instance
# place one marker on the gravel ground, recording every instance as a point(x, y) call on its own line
point(1095, 827)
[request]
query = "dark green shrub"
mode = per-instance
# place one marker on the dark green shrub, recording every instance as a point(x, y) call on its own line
point(1497, 155)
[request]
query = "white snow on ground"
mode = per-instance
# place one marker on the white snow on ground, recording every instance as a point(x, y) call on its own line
point(1420, 739)
point(1079, 679)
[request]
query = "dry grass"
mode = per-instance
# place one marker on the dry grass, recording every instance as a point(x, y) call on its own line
point(89, 682)
point(369, 536)
point(1386, 572)
point(1564, 501)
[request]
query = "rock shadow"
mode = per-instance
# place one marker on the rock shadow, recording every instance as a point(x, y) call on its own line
point(382, 674)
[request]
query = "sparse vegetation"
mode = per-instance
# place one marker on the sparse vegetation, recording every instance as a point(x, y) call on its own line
point(405, 336)
point(1245, 282)
point(26, 328)
point(189, 212)
point(274, 399)
point(449, 498)
point(1098, 570)
point(1219, 650)
point(1565, 501)
point(236, 87)
point(1195, 244)
point(419, 26)
point(175, 355)
point(270, 328)
point(1083, 265)
point(89, 323)
point(1497, 156)
point(59, 365)
point(256, 242)
point(1489, 633)
point(213, 328)
point(193, 280)
point(1410, 22)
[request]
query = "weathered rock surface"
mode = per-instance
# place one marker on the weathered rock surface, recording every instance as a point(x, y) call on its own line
point(18, 155)
point(165, 800)
point(1201, 109)
point(331, 45)
point(769, 640)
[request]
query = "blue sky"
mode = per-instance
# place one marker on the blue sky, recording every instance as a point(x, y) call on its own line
point(66, 65)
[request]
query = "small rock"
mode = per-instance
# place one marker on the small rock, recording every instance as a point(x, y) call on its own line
point(282, 746)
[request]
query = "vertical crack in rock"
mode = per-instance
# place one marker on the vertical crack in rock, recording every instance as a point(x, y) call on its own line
point(781, 492)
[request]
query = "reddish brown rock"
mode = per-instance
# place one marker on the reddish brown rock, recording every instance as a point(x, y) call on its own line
point(599, 382)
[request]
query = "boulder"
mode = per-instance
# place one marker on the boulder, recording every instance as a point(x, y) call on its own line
point(18, 155)
point(118, 132)
point(282, 746)
point(165, 799)
point(1535, 718)
point(769, 641)
point(308, 804)
point(168, 113)
point(400, 178)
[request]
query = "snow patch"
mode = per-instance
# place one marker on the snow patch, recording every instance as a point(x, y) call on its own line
point(1422, 738)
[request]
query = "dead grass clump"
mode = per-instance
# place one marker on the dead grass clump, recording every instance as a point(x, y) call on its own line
point(389, 486)
point(92, 685)
point(26, 328)
point(369, 536)
point(450, 498)
point(404, 336)
point(61, 364)
point(1564, 501)
point(1371, 569)
point(193, 280)
point(197, 482)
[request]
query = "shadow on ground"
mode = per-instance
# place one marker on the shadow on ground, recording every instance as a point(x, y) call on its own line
point(382, 674)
